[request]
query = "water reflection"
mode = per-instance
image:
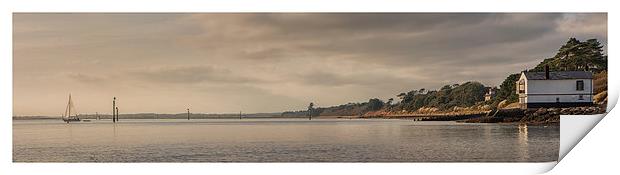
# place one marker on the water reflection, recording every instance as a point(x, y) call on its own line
point(281, 140)
point(114, 129)
point(523, 134)
point(70, 127)
point(523, 142)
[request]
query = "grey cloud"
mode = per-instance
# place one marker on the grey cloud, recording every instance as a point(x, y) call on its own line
point(397, 39)
point(291, 26)
point(191, 75)
point(86, 78)
point(288, 58)
point(322, 78)
point(441, 42)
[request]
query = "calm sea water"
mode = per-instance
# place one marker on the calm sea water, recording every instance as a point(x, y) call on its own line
point(281, 140)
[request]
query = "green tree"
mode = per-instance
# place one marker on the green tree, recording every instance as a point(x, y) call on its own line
point(389, 103)
point(464, 95)
point(576, 55)
point(507, 90)
point(595, 59)
point(375, 104)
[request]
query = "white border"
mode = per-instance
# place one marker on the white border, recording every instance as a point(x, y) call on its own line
point(605, 130)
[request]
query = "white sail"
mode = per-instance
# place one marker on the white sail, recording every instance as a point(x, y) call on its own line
point(70, 111)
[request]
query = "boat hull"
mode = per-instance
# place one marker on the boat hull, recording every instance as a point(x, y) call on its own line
point(71, 120)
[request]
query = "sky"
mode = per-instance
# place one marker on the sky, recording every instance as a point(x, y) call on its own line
point(270, 62)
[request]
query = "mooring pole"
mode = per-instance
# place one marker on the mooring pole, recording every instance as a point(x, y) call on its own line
point(187, 113)
point(310, 109)
point(114, 110)
point(239, 115)
point(117, 113)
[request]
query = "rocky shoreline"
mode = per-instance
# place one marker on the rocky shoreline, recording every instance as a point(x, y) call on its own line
point(543, 116)
point(536, 116)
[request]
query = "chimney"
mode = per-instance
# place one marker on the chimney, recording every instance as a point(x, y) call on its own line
point(546, 72)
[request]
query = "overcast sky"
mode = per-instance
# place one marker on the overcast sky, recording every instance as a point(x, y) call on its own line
point(223, 63)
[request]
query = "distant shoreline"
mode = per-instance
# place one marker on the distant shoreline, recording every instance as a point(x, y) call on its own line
point(211, 117)
point(543, 116)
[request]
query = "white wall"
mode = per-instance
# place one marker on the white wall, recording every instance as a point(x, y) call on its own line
point(552, 98)
point(563, 89)
point(557, 86)
point(546, 91)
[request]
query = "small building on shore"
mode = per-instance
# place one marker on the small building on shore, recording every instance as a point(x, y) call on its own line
point(490, 93)
point(555, 89)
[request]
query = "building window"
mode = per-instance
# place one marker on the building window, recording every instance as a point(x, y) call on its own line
point(580, 85)
point(521, 86)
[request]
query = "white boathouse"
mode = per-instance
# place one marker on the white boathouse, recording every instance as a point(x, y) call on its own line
point(555, 89)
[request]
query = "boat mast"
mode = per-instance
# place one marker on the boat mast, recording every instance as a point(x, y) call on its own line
point(69, 106)
point(67, 109)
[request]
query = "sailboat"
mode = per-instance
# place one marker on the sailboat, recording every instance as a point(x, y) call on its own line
point(70, 112)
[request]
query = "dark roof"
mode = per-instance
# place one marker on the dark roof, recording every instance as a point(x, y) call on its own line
point(559, 75)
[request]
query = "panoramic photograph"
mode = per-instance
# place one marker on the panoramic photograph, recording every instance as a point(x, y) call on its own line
point(302, 87)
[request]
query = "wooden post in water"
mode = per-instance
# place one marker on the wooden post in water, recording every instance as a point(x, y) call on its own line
point(117, 113)
point(239, 115)
point(310, 109)
point(187, 113)
point(114, 110)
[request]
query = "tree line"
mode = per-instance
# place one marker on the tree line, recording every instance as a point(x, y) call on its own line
point(575, 55)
